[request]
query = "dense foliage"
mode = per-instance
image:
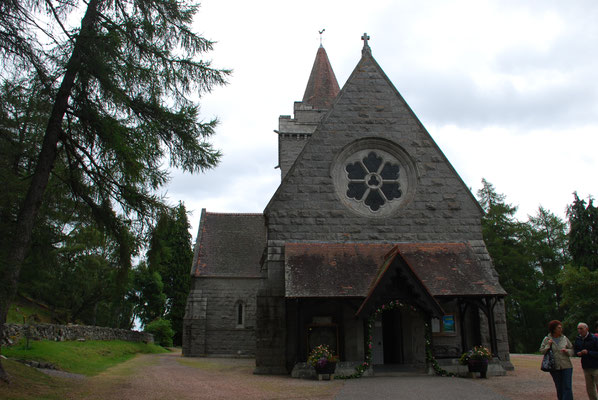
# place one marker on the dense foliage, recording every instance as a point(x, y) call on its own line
point(540, 263)
point(583, 237)
point(170, 256)
point(96, 97)
point(580, 279)
point(162, 332)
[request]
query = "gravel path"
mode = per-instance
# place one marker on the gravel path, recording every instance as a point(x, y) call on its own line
point(170, 376)
point(416, 388)
point(61, 374)
point(529, 382)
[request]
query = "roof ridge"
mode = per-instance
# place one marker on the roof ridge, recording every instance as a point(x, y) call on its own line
point(232, 213)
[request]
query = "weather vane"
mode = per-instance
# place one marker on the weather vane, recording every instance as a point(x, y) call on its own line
point(322, 31)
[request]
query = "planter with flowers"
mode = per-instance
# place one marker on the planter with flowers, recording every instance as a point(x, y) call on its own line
point(477, 360)
point(322, 359)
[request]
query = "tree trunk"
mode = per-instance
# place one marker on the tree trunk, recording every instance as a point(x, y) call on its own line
point(43, 168)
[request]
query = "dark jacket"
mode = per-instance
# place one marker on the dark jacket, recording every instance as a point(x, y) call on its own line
point(589, 343)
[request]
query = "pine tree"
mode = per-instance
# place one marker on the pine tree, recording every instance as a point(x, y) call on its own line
point(151, 300)
point(548, 245)
point(121, 90)
point(504, 237)
point(170, 255)
point(583, 233)
point(580, 279)
point(71, 265)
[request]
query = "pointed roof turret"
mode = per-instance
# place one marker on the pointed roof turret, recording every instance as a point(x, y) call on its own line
point(322, 87)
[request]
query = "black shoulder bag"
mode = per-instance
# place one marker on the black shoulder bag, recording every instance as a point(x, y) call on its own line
point(548, 363)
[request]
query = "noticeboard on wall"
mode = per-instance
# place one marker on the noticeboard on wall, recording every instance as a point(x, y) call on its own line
point(448, 323)
point(444, 326)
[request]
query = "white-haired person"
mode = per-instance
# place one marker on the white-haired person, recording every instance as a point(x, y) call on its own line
point(586, 347)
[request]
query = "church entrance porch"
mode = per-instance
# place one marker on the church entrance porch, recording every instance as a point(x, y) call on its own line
point(398, 339)
point(388, 347)
point(332, 321)
point(387, 342)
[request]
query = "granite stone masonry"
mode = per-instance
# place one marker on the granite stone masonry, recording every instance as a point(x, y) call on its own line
point(59, 333)
point(369, 212)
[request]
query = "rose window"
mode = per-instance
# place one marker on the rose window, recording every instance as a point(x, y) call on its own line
point(374, 179)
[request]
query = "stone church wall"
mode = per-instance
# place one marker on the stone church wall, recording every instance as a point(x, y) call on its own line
point(309, 207)
point(211, 319)
point(289, 147)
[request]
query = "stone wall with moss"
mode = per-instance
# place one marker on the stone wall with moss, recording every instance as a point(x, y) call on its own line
point(59, 333)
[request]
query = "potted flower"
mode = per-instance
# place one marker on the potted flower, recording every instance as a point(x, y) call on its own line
point(477, 359)
point(322, 359)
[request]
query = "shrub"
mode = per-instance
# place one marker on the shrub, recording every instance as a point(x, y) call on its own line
point(320, 356)
point(478, 353)
point(162, 332)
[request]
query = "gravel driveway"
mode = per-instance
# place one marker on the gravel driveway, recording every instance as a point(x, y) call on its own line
point(170, 376)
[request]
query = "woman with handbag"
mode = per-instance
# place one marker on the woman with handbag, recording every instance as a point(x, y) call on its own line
point(562, 349)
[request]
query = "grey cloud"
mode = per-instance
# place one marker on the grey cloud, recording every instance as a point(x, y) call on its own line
point(455, 99)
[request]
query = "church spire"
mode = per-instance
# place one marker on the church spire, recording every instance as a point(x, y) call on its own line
point(322, 86)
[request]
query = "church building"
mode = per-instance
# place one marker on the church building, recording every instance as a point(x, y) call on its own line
point(369, 213)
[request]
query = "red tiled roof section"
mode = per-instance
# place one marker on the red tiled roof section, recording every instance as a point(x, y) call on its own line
point(322, 87)
point(331, 269)
point(351, 269)
point(450, 269)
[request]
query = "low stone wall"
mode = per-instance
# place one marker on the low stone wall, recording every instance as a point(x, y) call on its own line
point(14, 332)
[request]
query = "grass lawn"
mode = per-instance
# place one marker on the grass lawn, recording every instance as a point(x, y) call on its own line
point(87, 358)
point(29, 383)
point(21, 310)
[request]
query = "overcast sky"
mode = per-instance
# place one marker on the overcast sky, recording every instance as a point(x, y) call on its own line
point(508, 90)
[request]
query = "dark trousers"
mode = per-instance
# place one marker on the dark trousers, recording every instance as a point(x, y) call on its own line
point(562, 382)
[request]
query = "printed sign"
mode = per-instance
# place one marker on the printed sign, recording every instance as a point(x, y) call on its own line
point(448, 323)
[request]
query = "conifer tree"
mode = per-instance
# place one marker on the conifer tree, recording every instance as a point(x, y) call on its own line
point(548, 245)
point(170, 255)
point(151, 300)
point(580, 278)
point(583, 233)
point(504, 238)
point(122, 91)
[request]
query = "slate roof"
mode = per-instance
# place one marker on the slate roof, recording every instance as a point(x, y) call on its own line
point(394, 276)
point(450, 269)
point(322, 86)
point(331, 269)
point(229, 245)
point(354, 269)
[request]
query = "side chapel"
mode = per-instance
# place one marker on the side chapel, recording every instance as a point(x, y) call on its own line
point(369, 211)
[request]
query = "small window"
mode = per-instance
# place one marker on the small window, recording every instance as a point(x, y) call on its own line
point(240, 314)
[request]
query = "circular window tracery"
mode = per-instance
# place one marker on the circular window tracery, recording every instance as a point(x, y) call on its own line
point(374, 177)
